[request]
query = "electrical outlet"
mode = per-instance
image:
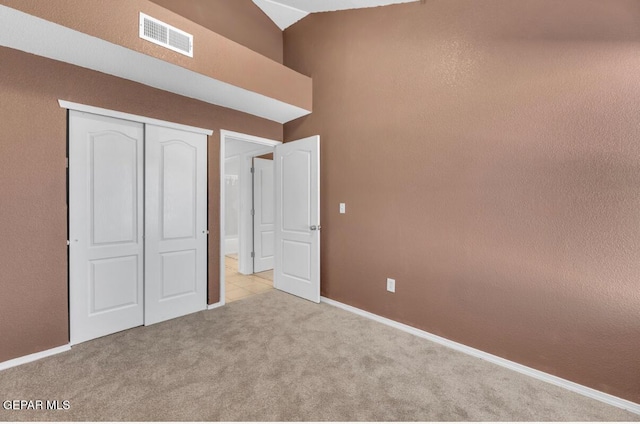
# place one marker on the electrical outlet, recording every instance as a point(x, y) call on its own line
point(391, 285)
point(343, 208)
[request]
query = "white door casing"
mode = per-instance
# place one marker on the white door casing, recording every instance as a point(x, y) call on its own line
point(175, 223)
point(232, 205)
point(105, 225)
point(297, 218)
point(263, 216)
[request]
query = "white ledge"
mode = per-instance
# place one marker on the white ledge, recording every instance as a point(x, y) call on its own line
point(40, 37)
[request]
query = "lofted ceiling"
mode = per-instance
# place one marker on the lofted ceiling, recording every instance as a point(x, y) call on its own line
point(287, 12)
point(31, 34)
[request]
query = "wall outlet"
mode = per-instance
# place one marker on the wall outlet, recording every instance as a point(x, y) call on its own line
point(391, 285)
point(343, 208)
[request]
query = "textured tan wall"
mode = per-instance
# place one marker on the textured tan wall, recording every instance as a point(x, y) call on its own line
point(238, 20)
point(33, 213)
point(488, 153)
point(117, 21)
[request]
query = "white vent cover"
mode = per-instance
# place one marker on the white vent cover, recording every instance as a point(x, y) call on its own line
point(165, 35)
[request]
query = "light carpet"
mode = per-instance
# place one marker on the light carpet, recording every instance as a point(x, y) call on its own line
point(274, 357)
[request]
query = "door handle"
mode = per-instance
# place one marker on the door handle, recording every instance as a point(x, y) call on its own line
point(315, 227)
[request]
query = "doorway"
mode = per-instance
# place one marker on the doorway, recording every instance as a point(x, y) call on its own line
point(296, 217)
point(239, 276)
point(249, 195)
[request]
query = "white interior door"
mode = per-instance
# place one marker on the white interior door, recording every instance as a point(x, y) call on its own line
point(105, 225)
point(263, 217)
point(297, 213)
point(175, 223)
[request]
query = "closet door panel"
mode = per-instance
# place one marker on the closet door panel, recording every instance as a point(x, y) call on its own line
point(175, 223)
point(105, 225)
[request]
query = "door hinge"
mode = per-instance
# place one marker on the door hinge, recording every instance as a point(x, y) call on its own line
point(252, 170)
point(68, 243)
point(66, 163)
point(253, 254)
point(253, 212)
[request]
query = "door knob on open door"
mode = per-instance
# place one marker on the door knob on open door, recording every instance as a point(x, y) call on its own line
point(315, 227)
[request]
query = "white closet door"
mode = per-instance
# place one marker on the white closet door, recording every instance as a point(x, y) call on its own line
point(105, 225)
point(175, 223)
point(263, 217)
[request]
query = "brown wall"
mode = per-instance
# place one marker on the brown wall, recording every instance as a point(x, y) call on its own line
point(488, 153)
point(238, 20)
point(117, 21)
point(33, 213)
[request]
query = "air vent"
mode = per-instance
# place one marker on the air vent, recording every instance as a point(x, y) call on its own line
point(165, 35)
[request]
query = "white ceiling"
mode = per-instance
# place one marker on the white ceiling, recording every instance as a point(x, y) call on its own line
point(287, 12)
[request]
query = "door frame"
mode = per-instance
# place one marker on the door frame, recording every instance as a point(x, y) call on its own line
point(64, 104)
point(226, 135)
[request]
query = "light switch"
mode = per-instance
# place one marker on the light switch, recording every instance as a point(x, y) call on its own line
point(391, 285)
point(343, 208)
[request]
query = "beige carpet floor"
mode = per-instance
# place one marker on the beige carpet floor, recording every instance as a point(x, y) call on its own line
point(276, 357)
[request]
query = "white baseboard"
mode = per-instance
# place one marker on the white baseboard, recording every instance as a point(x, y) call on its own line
point(231, 245)
point(33, 357)
point(531, 372)
point(215, 305)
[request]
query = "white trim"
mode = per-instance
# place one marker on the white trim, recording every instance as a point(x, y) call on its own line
point(215, 305)
point(130, 117)
point(33, 357)
point(224, 136)
point(248, 138)
point(514, 366)
point(27, 33)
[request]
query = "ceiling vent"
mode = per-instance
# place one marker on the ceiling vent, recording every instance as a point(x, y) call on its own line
point(165, 35)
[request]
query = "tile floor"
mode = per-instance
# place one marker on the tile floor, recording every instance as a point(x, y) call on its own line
point(239, 286)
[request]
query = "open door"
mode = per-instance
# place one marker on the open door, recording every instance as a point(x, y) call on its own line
point(297, 218)
point(263, 216)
